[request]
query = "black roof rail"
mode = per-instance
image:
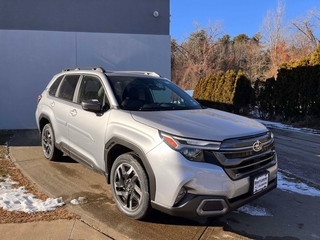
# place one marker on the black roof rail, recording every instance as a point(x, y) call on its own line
point(100, 69)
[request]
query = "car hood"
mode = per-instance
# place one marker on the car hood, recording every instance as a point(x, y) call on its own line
point(206, 124)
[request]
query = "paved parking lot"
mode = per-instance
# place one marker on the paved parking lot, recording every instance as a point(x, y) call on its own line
point(277, 215)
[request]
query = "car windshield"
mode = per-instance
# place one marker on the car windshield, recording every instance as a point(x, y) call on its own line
point(150, 94)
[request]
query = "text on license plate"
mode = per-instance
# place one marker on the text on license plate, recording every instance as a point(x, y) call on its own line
point(260, 183)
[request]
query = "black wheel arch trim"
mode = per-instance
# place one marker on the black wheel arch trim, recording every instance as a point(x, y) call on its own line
point(138, 151)
point(43, 116)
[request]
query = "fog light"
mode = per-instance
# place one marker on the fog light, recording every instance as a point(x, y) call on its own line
point(181, 194)
point(213, 206)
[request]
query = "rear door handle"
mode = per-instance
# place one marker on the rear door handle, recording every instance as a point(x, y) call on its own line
point(52, 104)
point(73, 112)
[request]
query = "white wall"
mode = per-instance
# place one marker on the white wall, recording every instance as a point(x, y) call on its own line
point(29, 59)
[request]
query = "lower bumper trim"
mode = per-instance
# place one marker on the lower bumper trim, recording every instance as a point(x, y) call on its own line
point(195, 206)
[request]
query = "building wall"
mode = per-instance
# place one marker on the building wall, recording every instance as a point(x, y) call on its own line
point(32, 51)
point(108, 16)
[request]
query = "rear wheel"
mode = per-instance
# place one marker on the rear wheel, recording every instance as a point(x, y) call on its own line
point(48, 144)
point(130, 186)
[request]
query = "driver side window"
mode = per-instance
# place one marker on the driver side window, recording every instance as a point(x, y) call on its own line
point(92, 89)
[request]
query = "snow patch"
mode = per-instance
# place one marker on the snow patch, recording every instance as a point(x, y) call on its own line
point(7, 150)
point(255, 210)
point(78, 201)
point(17, 199)
point(285, 183)
point(287, 127)
point(290, 184)
point(190, 92)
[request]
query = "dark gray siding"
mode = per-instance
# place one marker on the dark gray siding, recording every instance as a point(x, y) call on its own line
point(104, 16)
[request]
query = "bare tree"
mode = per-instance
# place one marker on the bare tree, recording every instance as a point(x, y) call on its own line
point(256, 60)
point(274, 36)
point(206, 51)
point(197, 54)
point(304, 40)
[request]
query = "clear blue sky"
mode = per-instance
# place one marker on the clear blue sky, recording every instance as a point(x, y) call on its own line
point(237, 16)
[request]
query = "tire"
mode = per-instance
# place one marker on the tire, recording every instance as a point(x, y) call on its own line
point(130, 188)
point(48, 144)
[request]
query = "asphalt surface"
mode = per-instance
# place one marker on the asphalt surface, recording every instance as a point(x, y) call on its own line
point(290, 215)
point(299, 154)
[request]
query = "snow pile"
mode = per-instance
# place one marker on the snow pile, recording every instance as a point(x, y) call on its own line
point(288, 184)
point(287, 127)
point(17, 199)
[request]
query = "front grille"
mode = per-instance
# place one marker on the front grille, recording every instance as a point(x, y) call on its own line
point(238, 158)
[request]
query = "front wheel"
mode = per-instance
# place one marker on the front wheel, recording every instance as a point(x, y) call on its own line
point(130, 186)
point(48, 144)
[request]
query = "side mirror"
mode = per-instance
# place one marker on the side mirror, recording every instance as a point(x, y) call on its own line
point(91, 105)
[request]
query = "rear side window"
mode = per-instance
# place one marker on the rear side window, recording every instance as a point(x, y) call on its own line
point(68, 87)
point(54, 86)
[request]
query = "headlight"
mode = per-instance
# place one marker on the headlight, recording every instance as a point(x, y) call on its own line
point(193, 154)
point(191, 149)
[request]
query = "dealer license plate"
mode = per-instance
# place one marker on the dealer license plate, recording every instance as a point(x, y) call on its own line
point(260, 183)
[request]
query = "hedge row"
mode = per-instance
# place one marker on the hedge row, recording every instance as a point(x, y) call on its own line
point(294, 94)
point(230, 91)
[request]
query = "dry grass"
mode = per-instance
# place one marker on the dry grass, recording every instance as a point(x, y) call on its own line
point(8, 168)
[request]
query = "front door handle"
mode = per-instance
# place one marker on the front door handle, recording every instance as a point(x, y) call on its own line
point(73, 112)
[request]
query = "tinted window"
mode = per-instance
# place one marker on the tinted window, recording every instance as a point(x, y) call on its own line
point(54, 86)
point(68, 87)
point(91, 88)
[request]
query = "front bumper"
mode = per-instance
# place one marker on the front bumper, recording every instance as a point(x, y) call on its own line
point(195, 206)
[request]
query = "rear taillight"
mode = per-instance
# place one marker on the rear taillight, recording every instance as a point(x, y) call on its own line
point(39, 98)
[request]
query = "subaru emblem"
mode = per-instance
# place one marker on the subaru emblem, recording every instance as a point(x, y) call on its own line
point(257, 146)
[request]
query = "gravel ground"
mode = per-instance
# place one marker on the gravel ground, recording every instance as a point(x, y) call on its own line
point(8, 168)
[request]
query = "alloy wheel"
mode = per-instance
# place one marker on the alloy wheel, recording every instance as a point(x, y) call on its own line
point(127, 187)
point(47, 142)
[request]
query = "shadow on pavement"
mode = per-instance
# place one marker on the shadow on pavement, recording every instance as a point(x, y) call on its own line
point(65, 159)
point(25, 138)
point(31, 138)
point(162, 218)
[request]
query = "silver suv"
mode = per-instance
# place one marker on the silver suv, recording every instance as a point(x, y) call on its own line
point(157, 147)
